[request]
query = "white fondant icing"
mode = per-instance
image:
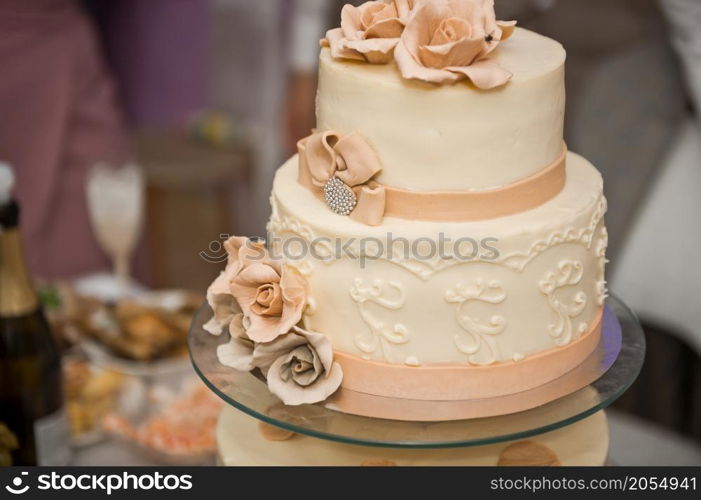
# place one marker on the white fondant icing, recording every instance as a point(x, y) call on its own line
point(450, 137)
point(530, 245)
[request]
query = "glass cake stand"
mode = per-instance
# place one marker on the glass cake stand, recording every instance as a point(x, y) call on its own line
point(612, 369)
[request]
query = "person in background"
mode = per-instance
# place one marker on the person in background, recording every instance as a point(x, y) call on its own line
point(160, 54)
point(76, 76)
point(59, 116)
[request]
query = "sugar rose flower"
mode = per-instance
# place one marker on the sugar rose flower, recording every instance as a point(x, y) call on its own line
point(369, 32)
point(299, 367)
point(449, 40)
point(222, 303)
point(271, 294)
point(219, 296)
point(238, 353)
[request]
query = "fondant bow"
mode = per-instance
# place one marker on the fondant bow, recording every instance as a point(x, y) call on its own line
point(327, 154)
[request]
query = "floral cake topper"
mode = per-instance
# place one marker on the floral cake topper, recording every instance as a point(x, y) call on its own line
point(438, 41)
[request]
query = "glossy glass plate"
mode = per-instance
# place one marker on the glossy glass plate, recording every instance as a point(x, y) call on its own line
point(249, 394)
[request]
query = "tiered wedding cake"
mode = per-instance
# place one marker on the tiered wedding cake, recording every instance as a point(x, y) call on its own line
point(434, 240)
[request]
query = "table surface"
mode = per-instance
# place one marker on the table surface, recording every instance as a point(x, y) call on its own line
point(633, 442)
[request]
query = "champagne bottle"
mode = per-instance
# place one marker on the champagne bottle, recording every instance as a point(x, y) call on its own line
point(31, 399)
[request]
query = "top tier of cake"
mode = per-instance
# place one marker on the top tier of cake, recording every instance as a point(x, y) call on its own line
point(452, 137)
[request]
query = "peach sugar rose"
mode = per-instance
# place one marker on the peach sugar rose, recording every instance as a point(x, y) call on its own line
point(447, 41)
point(369, 32)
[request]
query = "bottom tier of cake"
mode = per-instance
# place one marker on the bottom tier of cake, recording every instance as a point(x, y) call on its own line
point(417, 293)
point(245, 441)
point(426, 310)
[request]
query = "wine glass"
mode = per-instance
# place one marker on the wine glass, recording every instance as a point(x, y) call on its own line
point(115, 199)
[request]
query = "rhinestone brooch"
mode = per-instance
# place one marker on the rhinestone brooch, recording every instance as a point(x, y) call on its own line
point(339, 197)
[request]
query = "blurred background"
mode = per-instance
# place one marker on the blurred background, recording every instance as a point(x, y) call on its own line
point(183, 110)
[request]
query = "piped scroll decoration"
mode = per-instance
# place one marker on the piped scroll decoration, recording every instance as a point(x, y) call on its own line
point(569, 273)
point(478, 334)
point(601, 246)
point(382, 335)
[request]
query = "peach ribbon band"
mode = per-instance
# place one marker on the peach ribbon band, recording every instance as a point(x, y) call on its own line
point(456, 206)
point(464, 382)
point(350, 158)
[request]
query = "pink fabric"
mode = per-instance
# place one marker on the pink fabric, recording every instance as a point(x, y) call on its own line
point(58, 116)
